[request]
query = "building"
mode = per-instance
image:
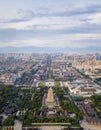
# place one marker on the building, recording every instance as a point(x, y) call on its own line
point(50, 98)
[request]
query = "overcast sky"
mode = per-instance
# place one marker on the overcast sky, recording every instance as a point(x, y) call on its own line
point(50, 23)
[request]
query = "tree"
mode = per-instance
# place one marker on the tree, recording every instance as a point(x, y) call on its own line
point(9, 121)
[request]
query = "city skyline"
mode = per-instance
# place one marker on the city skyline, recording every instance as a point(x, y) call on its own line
point(50, 24)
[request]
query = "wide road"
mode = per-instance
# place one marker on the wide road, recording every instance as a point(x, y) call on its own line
point(49, 127)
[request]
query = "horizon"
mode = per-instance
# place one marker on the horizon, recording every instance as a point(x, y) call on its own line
point(35, 49)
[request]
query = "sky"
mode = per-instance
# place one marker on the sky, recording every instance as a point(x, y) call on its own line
point(50, 23)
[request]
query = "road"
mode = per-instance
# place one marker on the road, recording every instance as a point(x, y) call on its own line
point(49, 127)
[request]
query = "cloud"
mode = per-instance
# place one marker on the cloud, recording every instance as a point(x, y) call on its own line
point(78, 9)
point(68, 23)
point(70, 40)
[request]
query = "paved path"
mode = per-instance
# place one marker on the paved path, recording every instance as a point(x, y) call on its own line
point(87, 126)
point(50, 124)
point(51, 127)
point(48, 127)
point(17, 125)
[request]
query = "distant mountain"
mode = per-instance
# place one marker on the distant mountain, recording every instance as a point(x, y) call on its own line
point(49, 49)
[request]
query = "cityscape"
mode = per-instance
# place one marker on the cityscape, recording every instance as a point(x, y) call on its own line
point(50, 64)
point(50, 89)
